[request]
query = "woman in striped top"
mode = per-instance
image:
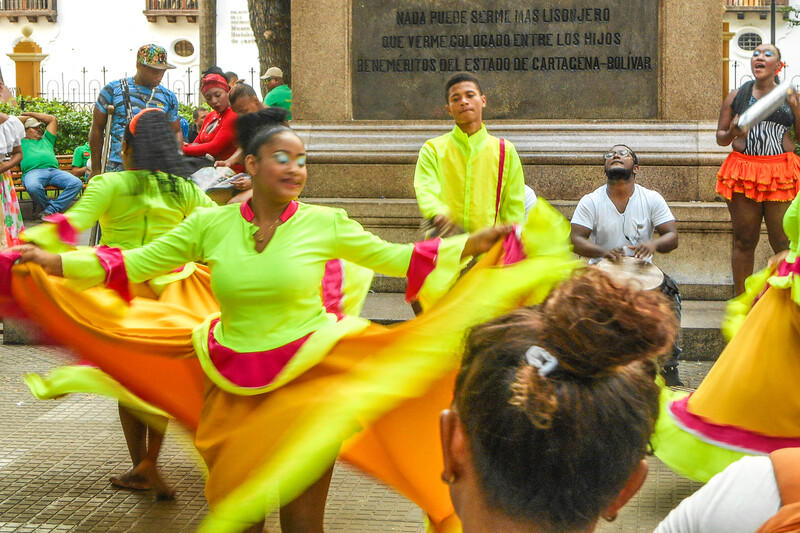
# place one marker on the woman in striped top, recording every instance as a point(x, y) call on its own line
point(759, 178)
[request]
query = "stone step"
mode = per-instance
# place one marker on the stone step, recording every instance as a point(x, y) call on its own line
point(702, 338)
point(700, 265)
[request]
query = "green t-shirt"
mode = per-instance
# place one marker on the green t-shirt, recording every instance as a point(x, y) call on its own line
point(39, 154)
point(81, 155)
point(280, 96)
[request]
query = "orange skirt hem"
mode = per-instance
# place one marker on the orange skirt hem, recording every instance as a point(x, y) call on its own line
point(772, 178)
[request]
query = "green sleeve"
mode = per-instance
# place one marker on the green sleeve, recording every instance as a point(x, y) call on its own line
point(172, 250)
point(355, 244)
point(196, 198)
point(427, 184)
point(77, 159)
point(512, 200)
point(82, 269)
point(95, 201)
point(49, 137)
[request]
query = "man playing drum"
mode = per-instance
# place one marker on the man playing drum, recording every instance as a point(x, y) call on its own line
point(619, 219)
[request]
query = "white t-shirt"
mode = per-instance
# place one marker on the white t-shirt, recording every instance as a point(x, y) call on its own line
point(646, 209)
point(737, 500)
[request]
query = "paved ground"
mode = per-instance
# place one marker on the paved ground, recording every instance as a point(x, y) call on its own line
point(56, 457)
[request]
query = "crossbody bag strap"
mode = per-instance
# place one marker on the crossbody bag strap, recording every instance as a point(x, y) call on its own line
point(126, 98)
point(500, 178)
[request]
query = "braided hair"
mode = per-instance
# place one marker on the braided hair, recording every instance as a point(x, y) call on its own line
point(155, 148)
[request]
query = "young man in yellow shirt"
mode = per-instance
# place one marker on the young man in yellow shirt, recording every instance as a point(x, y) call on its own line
point(467, 179)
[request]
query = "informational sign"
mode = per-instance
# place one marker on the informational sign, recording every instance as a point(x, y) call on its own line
point(241, 31)
point(535, 59)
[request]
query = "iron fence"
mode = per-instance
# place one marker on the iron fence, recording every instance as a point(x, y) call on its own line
point(755, 3)
point(85, 87)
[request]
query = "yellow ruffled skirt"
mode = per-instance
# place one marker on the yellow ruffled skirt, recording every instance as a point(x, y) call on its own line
point(376, 394)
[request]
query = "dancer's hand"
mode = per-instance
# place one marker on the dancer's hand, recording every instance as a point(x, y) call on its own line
point(775, 261)
point(794, 101)
point(51, 263)
point(481, 241)
point(734, 130)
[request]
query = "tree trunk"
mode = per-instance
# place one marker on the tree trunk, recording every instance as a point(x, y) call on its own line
point(207, 20)
point(271, 21)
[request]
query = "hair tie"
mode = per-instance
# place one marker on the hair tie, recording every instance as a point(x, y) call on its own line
point(780, 67)
point(132, 125)
point(541, 359)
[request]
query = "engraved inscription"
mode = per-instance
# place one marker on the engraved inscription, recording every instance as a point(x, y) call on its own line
point(535, 59)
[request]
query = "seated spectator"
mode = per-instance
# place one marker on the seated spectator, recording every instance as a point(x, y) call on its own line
point(198, 116)
point(231, 78)
point(243, 99)
point(246, 128)
point(217, 136)
point(278, 93)
point(554, 407)
point(213, 69)
point(81, 161)
point(40, 166)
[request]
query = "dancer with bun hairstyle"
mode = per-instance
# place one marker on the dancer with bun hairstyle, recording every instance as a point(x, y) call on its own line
point(554, 407)
point(282, 382)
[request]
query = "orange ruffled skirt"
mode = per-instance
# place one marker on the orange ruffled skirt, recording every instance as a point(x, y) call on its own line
point(262, 451)
point(763, 178)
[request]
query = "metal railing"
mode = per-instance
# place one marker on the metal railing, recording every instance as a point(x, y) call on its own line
point(171, 5)
point(82, 87)
point(27, 5)
point(754, 4)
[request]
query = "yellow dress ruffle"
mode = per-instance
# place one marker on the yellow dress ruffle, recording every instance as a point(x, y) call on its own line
point(263, 450)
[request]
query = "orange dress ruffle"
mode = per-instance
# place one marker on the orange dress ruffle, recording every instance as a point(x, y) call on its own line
point(763, 178)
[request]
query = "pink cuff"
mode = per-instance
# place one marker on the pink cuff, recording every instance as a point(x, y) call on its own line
point(423, 261)
point(7, 260)
point(333, 287)
point(250, 369)
point(66, 231)
point(513, 251)
point(731, 437)
point(116, 276)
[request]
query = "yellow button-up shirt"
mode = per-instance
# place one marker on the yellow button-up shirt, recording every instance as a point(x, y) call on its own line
point(456, 176)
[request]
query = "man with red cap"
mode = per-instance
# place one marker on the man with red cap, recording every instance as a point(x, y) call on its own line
point(129, 96)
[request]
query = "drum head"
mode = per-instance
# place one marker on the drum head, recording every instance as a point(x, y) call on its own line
point(641, 274)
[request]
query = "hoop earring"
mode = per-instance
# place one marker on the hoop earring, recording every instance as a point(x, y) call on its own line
point(610, 518)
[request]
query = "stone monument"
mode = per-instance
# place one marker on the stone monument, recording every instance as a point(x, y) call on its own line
point(563, 81)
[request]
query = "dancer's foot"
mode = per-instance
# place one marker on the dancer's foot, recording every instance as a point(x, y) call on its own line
point(130, 480)
point(148, 471)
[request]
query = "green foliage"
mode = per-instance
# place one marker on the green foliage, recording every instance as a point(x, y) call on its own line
point(791, 15)
point(74, 121)
point(186, 111)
